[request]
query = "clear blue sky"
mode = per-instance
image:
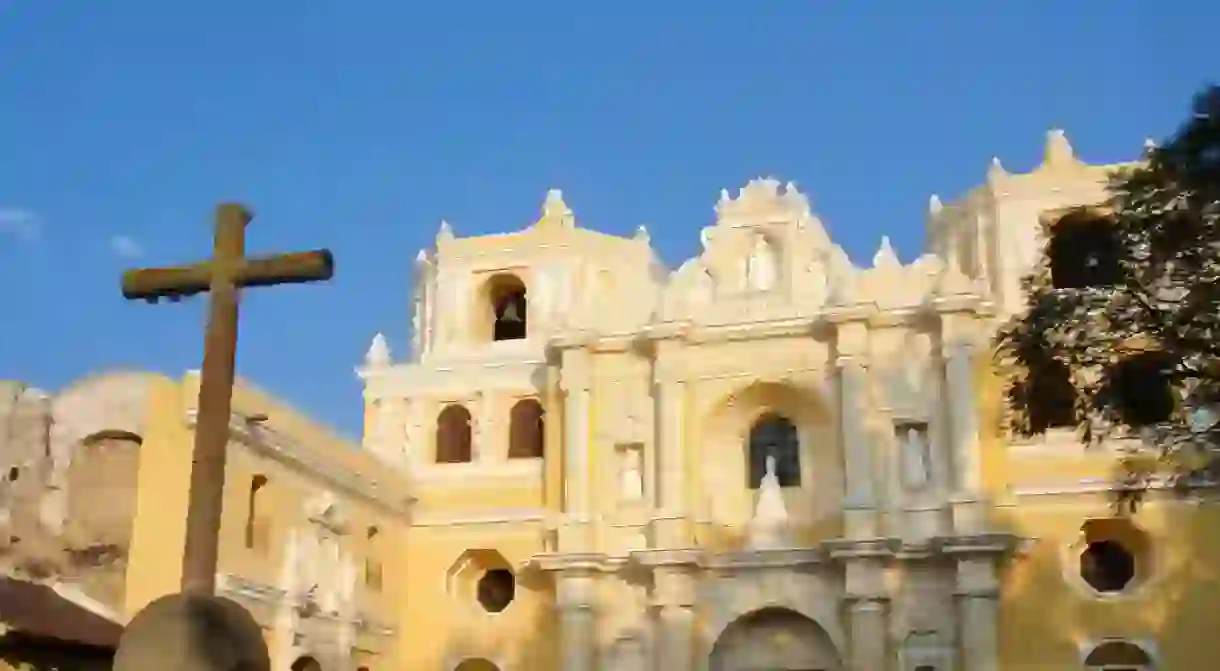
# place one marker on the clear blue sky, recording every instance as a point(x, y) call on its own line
point(359, 125)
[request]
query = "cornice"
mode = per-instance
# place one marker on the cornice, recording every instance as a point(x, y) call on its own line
point(453, 378)
point(867, 313)
point(828, 552)
point(287, 451)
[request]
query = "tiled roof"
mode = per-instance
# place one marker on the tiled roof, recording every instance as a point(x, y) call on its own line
point(37, 610)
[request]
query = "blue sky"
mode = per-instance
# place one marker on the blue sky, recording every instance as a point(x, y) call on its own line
point(359, 125)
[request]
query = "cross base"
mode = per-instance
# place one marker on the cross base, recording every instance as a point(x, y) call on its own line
point(187, 632)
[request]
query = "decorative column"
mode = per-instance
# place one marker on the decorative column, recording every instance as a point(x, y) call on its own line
point(978, 612)
point(669, 471)
point(869, 634)
point(576, 534)
point(967, 498)
point(485, 432)
point(867, 602)
point(420, 306)
point(577, 619)
point(675, 618)
point(860, 503)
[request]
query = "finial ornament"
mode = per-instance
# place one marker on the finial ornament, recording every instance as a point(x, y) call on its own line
point(1058, 151)
point(445, 232)
point(996, 171)
point(934, 205)
point(378, 355)
point(885, 256)
point(641, 234)
point(555, 210)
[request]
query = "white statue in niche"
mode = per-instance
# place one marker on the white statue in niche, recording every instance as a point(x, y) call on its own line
point(761, 269)
point(915, 456)
point(631, 481)
point(769, 526)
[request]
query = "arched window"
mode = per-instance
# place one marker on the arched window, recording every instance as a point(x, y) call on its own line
point(1083, 252)
point(476, 665)
point(453, 435)
point(506, 298)
point(256, 536)
point(1118, 656)
point(372, 560)
point(1141, 386)
point(525, 430)
point(1051, 398)
point(775, 436)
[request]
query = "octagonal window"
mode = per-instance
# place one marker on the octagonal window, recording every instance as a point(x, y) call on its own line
point(1107, 566)
point(1113, 555)
point(496, 589)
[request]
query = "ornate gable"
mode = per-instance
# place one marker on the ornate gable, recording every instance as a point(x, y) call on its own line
point(766, 257)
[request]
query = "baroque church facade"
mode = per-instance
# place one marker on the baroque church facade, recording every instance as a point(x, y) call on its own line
point(768, 458)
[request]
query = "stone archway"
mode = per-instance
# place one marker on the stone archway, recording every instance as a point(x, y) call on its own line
point(774, 639)
point(729, 487)
point(476, 664)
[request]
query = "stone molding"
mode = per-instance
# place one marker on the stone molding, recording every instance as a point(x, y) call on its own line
point(233, 585)
point(829, 552)
point(287, 451)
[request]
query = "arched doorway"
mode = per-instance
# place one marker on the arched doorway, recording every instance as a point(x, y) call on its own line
point(476, 664)
point(774, 639)
point(306, 664)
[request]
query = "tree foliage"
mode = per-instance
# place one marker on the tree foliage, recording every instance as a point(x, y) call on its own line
point(1161, 308)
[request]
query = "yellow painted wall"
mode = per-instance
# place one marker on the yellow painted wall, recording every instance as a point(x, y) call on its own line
point(163, 482)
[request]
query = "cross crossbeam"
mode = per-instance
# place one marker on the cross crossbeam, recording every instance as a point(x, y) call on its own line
point(222, 277)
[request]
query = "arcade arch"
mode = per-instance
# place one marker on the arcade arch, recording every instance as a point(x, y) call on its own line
point(774, 638)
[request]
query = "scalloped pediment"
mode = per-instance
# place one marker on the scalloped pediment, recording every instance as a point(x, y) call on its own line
point(767, 256)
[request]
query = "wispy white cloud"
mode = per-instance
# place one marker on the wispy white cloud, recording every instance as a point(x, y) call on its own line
point(21, 224)
point(126, 246)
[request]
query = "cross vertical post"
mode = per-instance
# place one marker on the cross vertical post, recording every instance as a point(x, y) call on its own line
point(223, 276)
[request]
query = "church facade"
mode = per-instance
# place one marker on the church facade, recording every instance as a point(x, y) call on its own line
point(770, 457)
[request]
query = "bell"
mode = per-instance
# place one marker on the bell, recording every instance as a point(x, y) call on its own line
point(510, 313)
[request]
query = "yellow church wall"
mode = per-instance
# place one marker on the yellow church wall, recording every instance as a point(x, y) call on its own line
point(445, 620)
point(1045, 489)
point(154, 563)
point(281, 504)
point(462, 497)
point(1049, 615)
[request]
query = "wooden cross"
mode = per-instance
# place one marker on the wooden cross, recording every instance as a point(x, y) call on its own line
point(223, 276)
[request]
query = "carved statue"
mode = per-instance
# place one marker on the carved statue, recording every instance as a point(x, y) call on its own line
point(915, 458)
point(631, 481)
point(769, 526)
point(761, 269)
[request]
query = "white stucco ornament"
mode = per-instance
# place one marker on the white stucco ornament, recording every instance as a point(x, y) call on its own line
point(915, 459)
point(761, 265)
point(768, 529)
point(378, 355)
point(555, 212)
point(886, 257)
point(631, 482)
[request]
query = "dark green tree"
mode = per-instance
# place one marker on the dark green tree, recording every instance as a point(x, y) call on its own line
point(1139, 349)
